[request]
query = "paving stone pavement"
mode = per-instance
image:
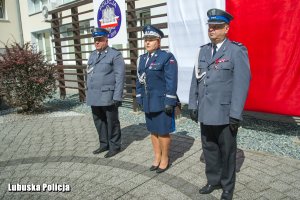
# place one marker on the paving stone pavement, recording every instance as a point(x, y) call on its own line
point(57, 150)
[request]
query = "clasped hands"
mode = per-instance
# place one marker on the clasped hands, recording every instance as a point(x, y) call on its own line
point(168, 109)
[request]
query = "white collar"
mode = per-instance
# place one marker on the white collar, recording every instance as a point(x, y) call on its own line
point(220, 44)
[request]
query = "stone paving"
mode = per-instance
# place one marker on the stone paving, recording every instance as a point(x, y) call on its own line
point(56, 152)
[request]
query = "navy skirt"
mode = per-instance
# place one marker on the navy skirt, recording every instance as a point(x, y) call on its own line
point(160, 123)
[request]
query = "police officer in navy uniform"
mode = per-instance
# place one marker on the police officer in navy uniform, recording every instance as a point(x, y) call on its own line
point(105, 83)
point(218, 93)
point(156, 88)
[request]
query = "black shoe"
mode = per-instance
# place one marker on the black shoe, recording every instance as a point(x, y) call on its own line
point(100, 150)
point(226, 195)
point(209, 188)
point(111, 153)
point(160, 170)
point(153, 167)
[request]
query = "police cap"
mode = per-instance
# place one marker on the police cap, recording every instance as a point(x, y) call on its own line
point(151, 31)
point(99, 32)
point(218, 16)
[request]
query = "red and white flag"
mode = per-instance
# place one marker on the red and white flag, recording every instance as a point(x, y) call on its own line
point(268, 28)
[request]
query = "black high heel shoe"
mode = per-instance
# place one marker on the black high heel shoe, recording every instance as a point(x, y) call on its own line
point(160, 170)
point(153, 167)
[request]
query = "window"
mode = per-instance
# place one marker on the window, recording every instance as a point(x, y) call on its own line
point(36, 5)
point(145, 19)
point(85, 48)
point(70, 50)
point(2, 9)
point(67, 1)
point(45, 45)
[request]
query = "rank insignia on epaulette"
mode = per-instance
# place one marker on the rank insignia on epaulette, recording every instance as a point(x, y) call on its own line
point(237, 43)
point(204, 45)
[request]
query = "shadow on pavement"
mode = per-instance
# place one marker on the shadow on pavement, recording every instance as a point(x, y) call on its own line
point(180, 144)
point(57, 104)
point(49, 105)
point(133, 133)
point(240, 158)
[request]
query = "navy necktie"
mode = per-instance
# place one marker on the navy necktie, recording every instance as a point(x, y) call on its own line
point(214, 50)
point(149, 56)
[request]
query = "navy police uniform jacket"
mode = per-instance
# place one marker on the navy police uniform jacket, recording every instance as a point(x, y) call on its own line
point(105, 77)
point(156, 85)
point(220, 84)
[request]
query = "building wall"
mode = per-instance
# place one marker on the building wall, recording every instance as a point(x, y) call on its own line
point(38, 31)
point(31, 22)
point(10, 27)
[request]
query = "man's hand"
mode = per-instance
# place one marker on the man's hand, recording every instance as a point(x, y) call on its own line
point(234, 124)
point(169, 109)
point(117, 103)
point(194, 115)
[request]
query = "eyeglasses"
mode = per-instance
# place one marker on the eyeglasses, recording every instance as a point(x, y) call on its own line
point(100, 39)
point(216, 26)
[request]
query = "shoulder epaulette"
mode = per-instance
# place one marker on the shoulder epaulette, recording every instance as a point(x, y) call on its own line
point(237, 43)
point(169, 52)
point(205, 45)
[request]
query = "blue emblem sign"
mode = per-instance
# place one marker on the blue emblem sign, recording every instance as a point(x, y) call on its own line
point(109, 17)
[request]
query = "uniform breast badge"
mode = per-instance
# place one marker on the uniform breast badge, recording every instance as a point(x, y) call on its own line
point(219, 61)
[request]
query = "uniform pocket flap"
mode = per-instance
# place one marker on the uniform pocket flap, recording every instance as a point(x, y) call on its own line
point(225, 103)
point(107, 87)
point(105, 62)
point(155, 67)
point(226, 100)
point(225, 67)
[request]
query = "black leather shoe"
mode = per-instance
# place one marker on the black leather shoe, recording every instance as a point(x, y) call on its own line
point(209, 188)
point(226, 195)
point(160, 170)
point(111, 153)
point(153, 167)
point(99, 150)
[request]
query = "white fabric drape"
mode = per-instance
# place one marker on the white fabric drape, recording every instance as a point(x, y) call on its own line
point(187, 23)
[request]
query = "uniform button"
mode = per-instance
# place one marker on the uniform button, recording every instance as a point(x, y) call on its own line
point(207, 77)
point(206, 93)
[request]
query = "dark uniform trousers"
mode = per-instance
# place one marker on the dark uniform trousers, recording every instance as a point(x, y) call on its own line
point(219, 148)
point(106, 120)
